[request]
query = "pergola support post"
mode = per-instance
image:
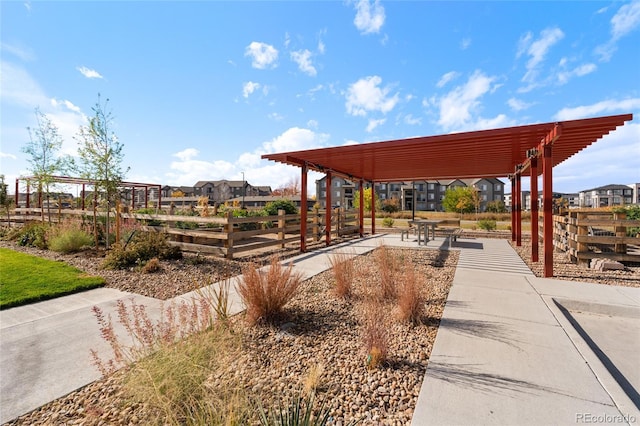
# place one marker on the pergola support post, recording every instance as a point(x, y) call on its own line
point(327, 226)
point(534, 209)
point(84, 194)
point(547, 213)
point(518, 208)
point(361, 209)
point(373, 208)
point(513, 207)
point(303, 209)
point(17, 197)
point(27, 205)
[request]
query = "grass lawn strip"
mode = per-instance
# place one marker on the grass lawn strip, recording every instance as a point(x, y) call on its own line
point(25, 279)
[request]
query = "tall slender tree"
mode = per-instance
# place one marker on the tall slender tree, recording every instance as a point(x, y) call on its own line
point(43, 149)
point(101, 156)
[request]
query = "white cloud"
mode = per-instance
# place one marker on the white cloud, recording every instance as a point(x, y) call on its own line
point(18, 88)
point(20, 52)
point(465, 43)
point(365, 95)
point(262, 55)
point(446, 78)
point(190, 169)
point(625, 21)
point(10, 156)
point(287, 40)
point(321, 47)
point(458, 106)
point(275, 116)
point(537, 50)
point(375, 123)
point(579, 71)
point(518, 104)
point(89, 73)
point(312, 124)
point(303, 59)
point(411, 120)
point(369, 16)
point(608, 106)
point(249, 87)
point(613, 159)
point(187, 154)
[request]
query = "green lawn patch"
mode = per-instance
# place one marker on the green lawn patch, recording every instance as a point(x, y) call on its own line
point(26, 279)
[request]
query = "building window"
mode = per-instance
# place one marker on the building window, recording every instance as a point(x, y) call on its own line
point(323, 194)
point(498, 187)
point(443, 188)
point(483, 187)
point(323, 184)
point(383, 186)
point(431, 196)
point(431, 186)
point(337, 184)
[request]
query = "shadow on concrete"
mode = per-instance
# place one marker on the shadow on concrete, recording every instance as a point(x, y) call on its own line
point(468, 376)
point(467, 245)
point(482, 329)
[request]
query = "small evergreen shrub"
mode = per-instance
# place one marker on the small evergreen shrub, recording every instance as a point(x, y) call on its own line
point(271, 209)
point(387, 222)
point(487, 224)
point(143, 247)
point(33, 234)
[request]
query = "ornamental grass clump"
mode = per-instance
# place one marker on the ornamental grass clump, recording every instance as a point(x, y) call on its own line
point(68, 237)
point(343, 271)
point(410, 300)
point(266, 292)
point(375, 335)
point(388, 268)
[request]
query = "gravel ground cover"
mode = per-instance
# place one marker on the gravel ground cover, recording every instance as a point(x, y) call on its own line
point(320, 332)
point(563, 269)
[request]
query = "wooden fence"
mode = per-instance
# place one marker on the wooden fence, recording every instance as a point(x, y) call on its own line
point(587, 235)
point(224, 236)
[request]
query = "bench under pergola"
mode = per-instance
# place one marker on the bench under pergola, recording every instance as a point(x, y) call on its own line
point(528, 150)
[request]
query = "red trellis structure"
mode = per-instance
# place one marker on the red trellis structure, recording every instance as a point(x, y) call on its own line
point(511, 151)
point(66, 180)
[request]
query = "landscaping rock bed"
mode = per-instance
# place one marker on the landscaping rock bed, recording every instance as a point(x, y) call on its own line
point(320, 331)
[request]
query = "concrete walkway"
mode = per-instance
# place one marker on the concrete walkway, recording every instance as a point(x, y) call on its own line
point(516, 349)
point(506, 352)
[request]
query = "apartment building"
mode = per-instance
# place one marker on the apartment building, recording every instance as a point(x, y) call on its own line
point(609, 195)
point(427, 195)
point(218, 191)
point(570, 200)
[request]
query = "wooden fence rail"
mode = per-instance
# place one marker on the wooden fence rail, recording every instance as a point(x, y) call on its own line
point(587, 235)
point(224, 236)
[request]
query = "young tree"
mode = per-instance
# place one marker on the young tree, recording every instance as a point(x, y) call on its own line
point(101, 155)
point(367, 200)
point(43, 149)
point(5, 201)
point(461, 199)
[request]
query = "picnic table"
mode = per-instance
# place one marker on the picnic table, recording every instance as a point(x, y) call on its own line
point(423, 225)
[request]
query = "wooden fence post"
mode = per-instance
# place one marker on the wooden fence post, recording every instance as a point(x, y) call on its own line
point(118, 219)
point(621, 232)
point(316, 224)
point(281, 227)
point(582, 247)
point(228, 227)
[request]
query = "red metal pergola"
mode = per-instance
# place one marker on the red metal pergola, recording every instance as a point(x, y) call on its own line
point(67, 180)
point(511, 151)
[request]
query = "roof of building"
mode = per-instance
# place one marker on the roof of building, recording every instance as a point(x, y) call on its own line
point(608, 187)
point(485, 153)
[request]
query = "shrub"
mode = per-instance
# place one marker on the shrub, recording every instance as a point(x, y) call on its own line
point(33, 234)
point(143, 246)
point(487, 224)
point(410, 301)
point(388, 222)
point(375, 335)
point(68, 237)
point(271, 209)
point(153, 265)
point(343, 273)
point(265, 293)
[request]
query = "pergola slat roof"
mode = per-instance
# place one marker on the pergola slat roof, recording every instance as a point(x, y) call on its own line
point(477, 154)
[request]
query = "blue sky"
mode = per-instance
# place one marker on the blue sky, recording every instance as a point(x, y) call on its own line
point(200, 90)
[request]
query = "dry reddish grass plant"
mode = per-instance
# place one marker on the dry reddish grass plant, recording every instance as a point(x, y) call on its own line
point(343, 274)
point(375, 334)
point(388, 268)
point(410, 300)
point(266, 292)
point(153, 265)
